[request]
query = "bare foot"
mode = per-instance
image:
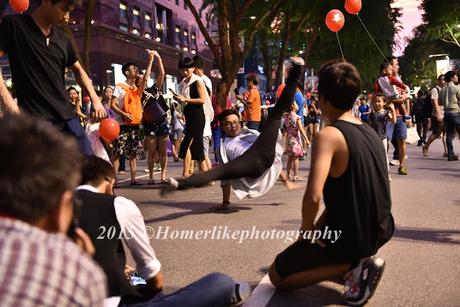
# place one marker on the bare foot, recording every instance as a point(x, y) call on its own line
point(292, 185)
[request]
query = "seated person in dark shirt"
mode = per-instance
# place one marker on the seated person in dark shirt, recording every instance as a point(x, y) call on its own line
point(349, 171)
point(100, 212)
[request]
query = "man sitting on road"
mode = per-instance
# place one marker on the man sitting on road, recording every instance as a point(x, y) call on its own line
point(100, 208)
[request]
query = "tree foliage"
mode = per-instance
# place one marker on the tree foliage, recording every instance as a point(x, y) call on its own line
point(439, 34)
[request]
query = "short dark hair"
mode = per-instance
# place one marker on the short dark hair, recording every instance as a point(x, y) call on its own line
point(384, 65)
point(449, 75)
point(95, 170)
point(391, 58)
point(186, 63)
point(225, 113)
point(252, 78)
point(126, 66)
point(70, 88)
point(198, 61)
point(71, 3)
point(340, 83)
point(40, 165)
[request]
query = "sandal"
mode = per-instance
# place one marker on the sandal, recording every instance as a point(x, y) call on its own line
point(223, 207)
point(135, 182)
point(297, 179)
point(151, 182)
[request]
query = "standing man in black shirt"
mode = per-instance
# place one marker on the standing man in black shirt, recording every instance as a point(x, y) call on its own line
point(39, 53)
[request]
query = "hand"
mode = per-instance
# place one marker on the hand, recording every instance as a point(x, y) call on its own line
point(151, 54)
point(180, 98)
point(98, 110)
point(127, 116)
point(84, 241)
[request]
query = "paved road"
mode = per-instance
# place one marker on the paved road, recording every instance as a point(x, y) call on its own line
point(422, 258)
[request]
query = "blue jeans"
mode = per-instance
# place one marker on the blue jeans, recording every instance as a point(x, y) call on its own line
point(73, 127)
point(452, 122)
point(216, 136)
point(253, 125)
point(215, 289)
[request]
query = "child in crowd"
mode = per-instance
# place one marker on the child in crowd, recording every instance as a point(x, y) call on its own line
point(379, 119)
point(294, 149)
point(385, 85)
point(364, 111)
point(177, 131)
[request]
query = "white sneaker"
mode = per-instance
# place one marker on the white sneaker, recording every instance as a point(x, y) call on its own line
point(394, 162)
point(241, 294)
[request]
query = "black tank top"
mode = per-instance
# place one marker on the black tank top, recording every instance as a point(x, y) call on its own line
point(359, 201)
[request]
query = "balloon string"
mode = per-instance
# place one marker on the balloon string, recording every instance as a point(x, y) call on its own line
point(368, 33)
point(340, 46)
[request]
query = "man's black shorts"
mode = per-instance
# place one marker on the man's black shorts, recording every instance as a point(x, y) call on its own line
point(303, 255)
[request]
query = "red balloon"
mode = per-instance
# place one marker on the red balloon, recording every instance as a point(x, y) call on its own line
point(353, 6)
point(335, 20)
point(109, 129)
point(19, 6)
point(86, 99)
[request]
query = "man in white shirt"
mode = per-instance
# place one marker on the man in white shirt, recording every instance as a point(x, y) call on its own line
point(208, 110)
point(108, 219)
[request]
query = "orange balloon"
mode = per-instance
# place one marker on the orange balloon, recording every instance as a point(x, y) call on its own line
point(109, 129)
point(353, 6)
point(335, 20)
point(19, 6)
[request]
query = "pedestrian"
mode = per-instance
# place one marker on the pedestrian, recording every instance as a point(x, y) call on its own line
point(348, 171)
point(252, 103)
point(437, 118)
point(39, 53)
point(126, 103)
point(378, 120)
point(207, 107)
point(419, 110)
point(364, 111)
point(155, 121)
point(193, 95)
point(74, 97)
point(295, 137)
point(450, 99)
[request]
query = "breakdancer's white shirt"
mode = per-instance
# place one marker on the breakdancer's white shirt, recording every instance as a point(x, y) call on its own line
point(233, 147)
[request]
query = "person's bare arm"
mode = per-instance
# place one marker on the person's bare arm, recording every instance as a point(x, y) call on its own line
point(201, 93)
point(156, 283)
point(323, 150)
point(116, 108)
point(392, 113)
point(148, 70)
point(85, 82)
point(302, 131)
point(161, 72)
point(7, 102)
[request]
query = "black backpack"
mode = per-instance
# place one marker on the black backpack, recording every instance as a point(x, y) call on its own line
point(154, 107)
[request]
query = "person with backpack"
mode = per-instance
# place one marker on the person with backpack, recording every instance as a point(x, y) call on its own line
point(126, 103)
point(437, 118)
point(155, 122)
point(419, 110)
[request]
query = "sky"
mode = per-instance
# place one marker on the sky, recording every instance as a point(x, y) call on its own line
point(411, 18)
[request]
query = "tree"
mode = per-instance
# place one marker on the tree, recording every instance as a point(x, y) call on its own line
point(442, 20)
point(236, 33)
